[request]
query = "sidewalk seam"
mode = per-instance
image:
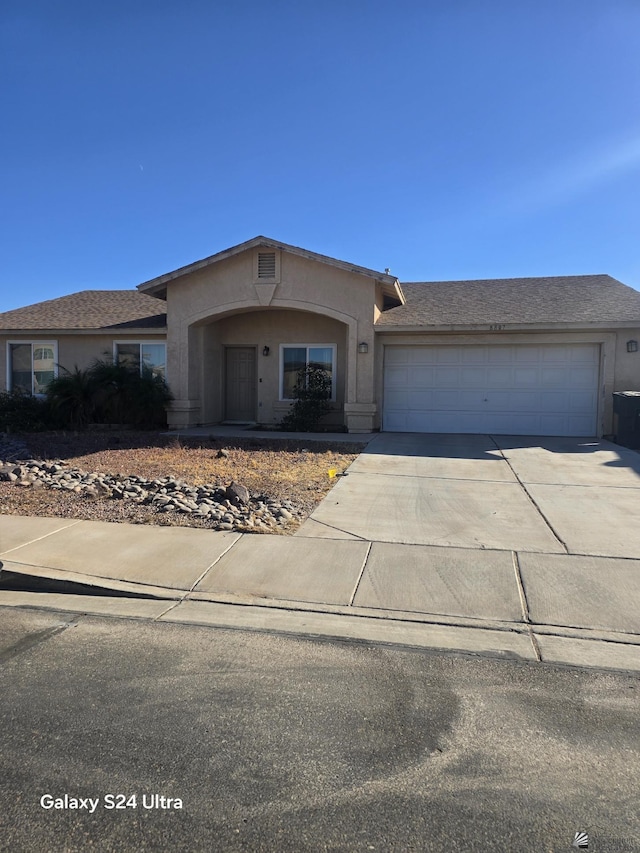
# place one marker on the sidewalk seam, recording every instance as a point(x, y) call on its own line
point(364, 564)
point(524, 604)
point(197, 581)
point(330, 527)
point(40, 538)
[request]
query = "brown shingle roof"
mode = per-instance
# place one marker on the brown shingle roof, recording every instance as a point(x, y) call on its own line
point(556, 299)
point(90, 309)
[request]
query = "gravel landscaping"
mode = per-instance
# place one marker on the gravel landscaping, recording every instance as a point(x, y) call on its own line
point(250, 485)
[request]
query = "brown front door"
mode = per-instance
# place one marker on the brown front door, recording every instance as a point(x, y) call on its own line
point(240, 384)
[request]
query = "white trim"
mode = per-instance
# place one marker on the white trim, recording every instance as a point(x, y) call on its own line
point(141, 343)
point(307, 346)
point(32, 342)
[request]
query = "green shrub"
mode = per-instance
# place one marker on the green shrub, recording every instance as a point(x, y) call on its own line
point(20, 412)
point(109, 393)
point(71, 398)
point(312, 393)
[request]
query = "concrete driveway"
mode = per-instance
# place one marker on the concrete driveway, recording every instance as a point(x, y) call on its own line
point(540, 495)
point(546, 530)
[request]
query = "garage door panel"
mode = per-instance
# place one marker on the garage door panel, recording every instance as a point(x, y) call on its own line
point(395, 355)
point(445, 377)
point(472, 377)
point(550, 424)
point(448, 400)
point(473, 355)
point(398, 422)
point(499, 377)
point(583, 377)
point(524, 401)
point(585, 354)
point(396, 377)
point(471, 400)
point(553, 401)
point(551, 354)
point(421, 375)
point(582, 401)
point(421, 400)
point(580, 425)
point(500, 355)
point(553, 377)
point(526, 376)
point(514, 389)
point(398, 399)
point(447, 355)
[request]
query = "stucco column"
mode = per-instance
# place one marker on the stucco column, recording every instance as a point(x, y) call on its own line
point(360, 410)
point(183, 370)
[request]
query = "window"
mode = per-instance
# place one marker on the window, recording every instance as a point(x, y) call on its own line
point(295, 357)
point(151, 354)
point(31, 365)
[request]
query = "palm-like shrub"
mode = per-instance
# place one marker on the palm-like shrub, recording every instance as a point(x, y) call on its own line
point(71, 397)
point(109, 393)
point(115, 388)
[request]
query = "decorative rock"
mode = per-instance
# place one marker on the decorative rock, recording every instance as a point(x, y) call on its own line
point(233, 507)
point(237, 493)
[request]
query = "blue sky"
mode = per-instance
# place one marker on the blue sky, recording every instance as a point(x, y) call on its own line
point(445, 139)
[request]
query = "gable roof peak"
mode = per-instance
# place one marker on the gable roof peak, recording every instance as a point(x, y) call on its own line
point(157, 286)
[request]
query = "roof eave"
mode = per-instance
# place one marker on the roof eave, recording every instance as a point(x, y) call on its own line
point(104, 330)
point(505, 327)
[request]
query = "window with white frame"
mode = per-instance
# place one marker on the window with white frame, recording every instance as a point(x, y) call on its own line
point(142, 354)
point(31, 365)
point(296, 357)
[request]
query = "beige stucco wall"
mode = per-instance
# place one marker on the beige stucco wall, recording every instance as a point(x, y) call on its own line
point(305, 287)
point(73, 349)
point(627, 370)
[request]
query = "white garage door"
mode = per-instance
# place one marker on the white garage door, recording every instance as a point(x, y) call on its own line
point(509, 390)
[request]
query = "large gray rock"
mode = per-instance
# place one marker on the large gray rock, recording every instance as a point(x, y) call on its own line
point(237, 493)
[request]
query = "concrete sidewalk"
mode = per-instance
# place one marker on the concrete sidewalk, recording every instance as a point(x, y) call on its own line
point(553, 607)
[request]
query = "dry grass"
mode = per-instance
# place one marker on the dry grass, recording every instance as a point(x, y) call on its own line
point(282, 469)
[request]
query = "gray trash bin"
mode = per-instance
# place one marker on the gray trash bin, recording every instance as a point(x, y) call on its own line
point(626, 418)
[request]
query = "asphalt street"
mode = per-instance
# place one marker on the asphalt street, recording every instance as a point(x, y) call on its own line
point(284, 743)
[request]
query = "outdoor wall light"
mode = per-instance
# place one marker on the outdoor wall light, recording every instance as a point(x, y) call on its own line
point(265, 351)
point(632, 346)
point(363, 347)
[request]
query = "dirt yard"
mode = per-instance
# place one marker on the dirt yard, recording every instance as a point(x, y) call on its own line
point(294, 471)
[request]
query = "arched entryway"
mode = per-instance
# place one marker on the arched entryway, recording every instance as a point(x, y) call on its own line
point(249, 360)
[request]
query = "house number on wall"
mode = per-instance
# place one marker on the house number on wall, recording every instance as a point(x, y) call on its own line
point(496, 327)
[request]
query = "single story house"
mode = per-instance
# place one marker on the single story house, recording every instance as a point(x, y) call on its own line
point(521, 356)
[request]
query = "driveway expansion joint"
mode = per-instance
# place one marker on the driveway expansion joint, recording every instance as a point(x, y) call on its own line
point(528, 494)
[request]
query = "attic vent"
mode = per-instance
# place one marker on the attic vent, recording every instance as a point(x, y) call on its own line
point(266, 264)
